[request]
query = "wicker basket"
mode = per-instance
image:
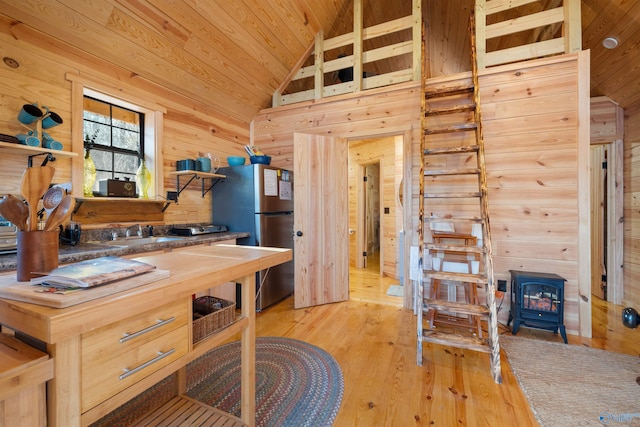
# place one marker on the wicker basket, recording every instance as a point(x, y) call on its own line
point(211, 314)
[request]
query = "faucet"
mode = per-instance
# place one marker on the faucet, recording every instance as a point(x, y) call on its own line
point(127, 233)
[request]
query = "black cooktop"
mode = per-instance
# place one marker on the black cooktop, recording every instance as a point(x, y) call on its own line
point(198, 229)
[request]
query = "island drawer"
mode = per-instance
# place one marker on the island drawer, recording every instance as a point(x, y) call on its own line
point(118, 355)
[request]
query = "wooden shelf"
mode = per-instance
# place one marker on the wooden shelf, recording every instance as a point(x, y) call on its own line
point(198, 174)
point(99, 199)
point(215, 178)
point(32, 152)
point(97, 210)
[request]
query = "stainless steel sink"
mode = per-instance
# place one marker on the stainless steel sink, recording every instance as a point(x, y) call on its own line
point(132, 241)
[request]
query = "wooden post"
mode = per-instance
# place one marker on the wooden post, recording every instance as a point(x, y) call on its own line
point(417, 40)
point(357, 45)
point(572, 26)
point(319, 63)
point(481, 39)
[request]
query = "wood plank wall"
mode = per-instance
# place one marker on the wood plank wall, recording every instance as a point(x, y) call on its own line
point(531, 133)
point(631, 295)
point(377, 113)
point(190, 127)
point(531, 121)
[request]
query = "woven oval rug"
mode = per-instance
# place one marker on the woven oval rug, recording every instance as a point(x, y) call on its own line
point(297, 384)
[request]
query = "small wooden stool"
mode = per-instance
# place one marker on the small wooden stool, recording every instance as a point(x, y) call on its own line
point(470, 289)
point(470, 296)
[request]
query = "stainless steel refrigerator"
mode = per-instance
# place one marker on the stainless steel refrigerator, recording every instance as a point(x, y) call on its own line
point(259, 199)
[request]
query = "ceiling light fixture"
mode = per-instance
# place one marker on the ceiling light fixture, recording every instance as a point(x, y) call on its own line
point(610, 43)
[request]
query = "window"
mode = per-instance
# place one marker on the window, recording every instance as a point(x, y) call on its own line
point(115, 137)
point(129, 129)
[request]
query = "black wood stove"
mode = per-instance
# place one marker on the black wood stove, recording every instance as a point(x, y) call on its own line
point(537, 300)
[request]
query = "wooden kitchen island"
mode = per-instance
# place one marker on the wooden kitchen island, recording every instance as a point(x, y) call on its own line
point(108, 350)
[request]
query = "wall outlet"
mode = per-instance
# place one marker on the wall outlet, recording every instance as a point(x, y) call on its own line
point(502, 285)
point(172, 196)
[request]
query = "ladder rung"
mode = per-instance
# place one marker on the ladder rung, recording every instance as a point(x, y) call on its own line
point(456, 307)
point(457, 277)
point(454, 248)
point(450, 110)
point(468, 171)
point(451, 150)
point(455, 340)
point(451, 195)
point(450, 91)
point(447, 220)
point(452, 129)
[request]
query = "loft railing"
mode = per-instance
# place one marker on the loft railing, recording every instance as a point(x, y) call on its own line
point(507, 31)
point(355, 63)
point(517, 30)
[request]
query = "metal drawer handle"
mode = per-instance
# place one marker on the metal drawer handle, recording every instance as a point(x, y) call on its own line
point(160, 356)
point(127, 336)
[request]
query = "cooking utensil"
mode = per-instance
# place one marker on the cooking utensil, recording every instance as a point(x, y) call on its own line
point(60, 213)
point(35, 181)
point(51, 198)
point(249, 150)
point(14, 210)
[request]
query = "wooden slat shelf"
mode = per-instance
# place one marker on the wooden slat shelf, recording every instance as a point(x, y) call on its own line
point(184, 411)
point(31, 152)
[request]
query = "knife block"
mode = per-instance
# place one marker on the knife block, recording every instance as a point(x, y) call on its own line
point(37, 253)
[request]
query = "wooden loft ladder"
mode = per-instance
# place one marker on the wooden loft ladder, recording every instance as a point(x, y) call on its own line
point(452, 138)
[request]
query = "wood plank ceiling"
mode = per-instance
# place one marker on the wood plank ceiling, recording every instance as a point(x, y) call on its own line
point(233, 54)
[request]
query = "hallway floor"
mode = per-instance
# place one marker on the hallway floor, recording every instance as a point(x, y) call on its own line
point(367, 285)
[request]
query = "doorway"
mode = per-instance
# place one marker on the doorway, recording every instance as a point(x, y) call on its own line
point(599, 232)
point(375, 219)
point(606, 165)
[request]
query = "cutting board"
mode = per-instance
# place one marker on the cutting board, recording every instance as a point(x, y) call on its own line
point(10, 288)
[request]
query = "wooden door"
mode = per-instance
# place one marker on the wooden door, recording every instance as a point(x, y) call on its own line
point(598, 220)
point(321, 222)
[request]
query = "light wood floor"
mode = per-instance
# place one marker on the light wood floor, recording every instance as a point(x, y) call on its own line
point(373, 340)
